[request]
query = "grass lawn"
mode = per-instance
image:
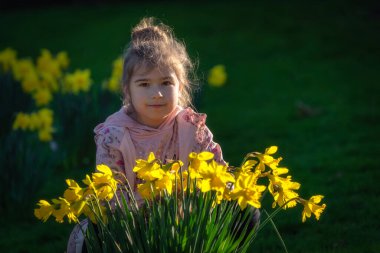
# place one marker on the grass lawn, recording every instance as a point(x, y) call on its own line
point(302, 75)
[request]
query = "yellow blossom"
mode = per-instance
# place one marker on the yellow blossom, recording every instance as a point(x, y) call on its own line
point(47, 64)
point(7, 58)
point(63, 209)
point(63, 59)
point(198, 162)
point(214, 177)
point(30, 82)
point(42, 97)
point(217, 76)
point(22, 68)
point(113, 84)
point(104, 182)
point(22, 121)
point(44, 211)
point(45, 134)
point(78, 81)
point(282, 190)
point(266, 158)
point(311, 207)
point(74, 192)
point(246, 190)
point(149, 169)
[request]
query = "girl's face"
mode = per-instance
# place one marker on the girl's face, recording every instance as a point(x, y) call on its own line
point(153, 94)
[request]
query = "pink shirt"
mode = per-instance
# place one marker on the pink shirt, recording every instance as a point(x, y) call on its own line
point(121, 140)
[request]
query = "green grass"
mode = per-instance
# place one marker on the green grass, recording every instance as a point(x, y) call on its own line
point(277, 55)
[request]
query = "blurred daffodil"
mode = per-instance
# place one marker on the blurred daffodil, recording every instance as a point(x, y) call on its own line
point(7, 58)
point(78, 81)
point(217, 76)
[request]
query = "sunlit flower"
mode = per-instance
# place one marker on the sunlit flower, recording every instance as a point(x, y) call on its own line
point(104, 182)
point(217, 76)
point(74, 192)
point(44, 211)
point(149, 169)
point(63, 209)
point(199, 162)
point(214, 177)
point(246, 190)
point(311, 207)
point(282, 190)
point(266, 158)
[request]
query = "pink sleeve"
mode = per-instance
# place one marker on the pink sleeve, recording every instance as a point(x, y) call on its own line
point(206, 143)
point(107, 150)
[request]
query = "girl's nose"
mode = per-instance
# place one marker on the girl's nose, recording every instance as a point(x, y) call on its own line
point(157, 93)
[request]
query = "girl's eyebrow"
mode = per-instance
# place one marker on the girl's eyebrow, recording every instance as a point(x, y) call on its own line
point(145, 80)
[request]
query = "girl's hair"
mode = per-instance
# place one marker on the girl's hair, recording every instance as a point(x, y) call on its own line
point(153, 45)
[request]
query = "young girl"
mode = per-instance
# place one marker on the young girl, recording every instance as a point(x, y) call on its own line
point(156, 115)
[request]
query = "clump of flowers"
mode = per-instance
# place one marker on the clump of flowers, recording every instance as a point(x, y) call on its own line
point(217, 75)
point(77, 200)
point(229, 183)
point(193, 209)
point(40, 121)
point(46, 76)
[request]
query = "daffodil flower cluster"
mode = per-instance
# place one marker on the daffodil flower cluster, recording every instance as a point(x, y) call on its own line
point(78, 200)
point(46, 76)
point(217, 76)
point(40, 121)
point(281, 187)
point(229, 183)
point(113, 83)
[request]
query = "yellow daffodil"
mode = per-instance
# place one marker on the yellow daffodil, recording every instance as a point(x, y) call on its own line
point(266, 158)
point(63, 59)
point(282, 191)
point(30, 82)
point(217, 76)
point(22, 68)
point(311, 207)
point(63, 210)
point(91, 189)
point(45, 134)
point(74, 192)
point(247, 191)
point(199, 162)
point(44, 211)
point(46, 117)
point(113, 83)
point(214, 177)
point(21, 122)
point(146, 190)
point(104, 182)
point(78, 81)
point(42, 97)
point(7, 59)
point(47, 64)
point(149, 169)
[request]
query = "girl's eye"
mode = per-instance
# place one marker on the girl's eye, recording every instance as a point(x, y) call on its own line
point(143, 84)
point(167, 83)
